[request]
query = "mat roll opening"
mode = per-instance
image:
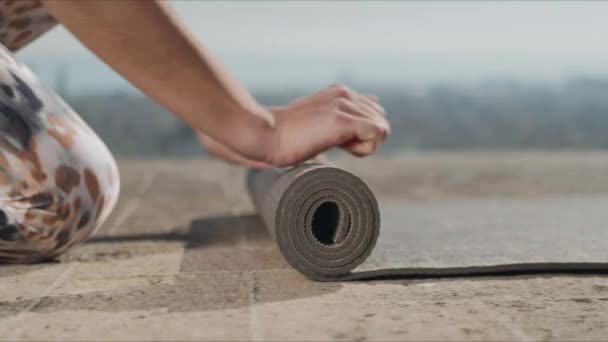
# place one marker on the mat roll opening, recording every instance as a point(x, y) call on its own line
point(326, 225)
point(325, 220)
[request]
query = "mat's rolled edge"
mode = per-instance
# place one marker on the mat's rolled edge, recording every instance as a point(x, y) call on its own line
point(325, 220)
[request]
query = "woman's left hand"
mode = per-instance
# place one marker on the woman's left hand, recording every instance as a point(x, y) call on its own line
point(220, 151)
point(224, 153)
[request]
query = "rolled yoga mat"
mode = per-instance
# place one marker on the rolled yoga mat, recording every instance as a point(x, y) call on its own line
point(326, 222)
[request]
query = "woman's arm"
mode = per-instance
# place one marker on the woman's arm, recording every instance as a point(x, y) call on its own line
point(145, 43)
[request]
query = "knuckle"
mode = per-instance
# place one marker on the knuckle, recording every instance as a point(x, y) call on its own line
point(343, 118)
point(341, 103)
point(382, 129)
point(205, 140)
point(338, 86)
point(377, 127)
point(342, 91)
point(368, 149)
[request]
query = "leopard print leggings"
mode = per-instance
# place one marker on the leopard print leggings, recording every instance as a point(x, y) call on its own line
point(58, 181)
point(22, 21)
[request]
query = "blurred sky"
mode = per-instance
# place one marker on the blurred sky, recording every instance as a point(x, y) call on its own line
point(291, 44)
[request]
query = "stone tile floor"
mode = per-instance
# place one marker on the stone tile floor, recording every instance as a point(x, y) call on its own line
point(166, 267)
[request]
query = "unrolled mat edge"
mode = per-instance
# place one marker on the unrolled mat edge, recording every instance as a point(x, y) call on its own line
point(326, 222)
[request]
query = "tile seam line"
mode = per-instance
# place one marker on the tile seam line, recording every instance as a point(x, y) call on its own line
point(55, 284)
point(144, 186)
point(255, 330)
point(133, 204)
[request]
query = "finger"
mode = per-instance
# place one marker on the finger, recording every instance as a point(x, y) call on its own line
point(365, 143)
point(363, 111)
point(371, 131)
point(334, 91)
point(364, 99)
point(379, 112)
point(373, 111)
point(361, 149)
point(360, 129)
point(372, 98)
point(322, 97)
point(321, 159)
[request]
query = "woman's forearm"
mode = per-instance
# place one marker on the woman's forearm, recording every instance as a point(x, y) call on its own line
point(144, 42)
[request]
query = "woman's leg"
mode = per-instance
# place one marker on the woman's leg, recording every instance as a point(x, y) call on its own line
point(58, 181)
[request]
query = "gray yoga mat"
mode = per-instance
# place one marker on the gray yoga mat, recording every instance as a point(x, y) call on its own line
point(326, 222)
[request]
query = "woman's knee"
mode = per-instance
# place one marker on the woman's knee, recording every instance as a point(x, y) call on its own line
point(42, 219)
point(58, 214)
point(58, 181)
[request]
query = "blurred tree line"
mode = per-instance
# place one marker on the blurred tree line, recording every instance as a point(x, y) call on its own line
point(490, 115)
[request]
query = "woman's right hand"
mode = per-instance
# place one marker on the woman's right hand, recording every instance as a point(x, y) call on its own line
point(335, 116)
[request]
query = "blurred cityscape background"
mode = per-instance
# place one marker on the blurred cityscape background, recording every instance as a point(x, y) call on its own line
point(451, 75)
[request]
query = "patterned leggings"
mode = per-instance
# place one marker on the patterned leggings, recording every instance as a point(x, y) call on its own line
point(58, 181)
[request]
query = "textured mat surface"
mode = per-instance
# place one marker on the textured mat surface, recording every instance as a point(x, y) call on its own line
point(326, 223)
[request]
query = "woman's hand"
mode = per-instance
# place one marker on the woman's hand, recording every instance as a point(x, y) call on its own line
point(336, 116)
point(226, 154)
